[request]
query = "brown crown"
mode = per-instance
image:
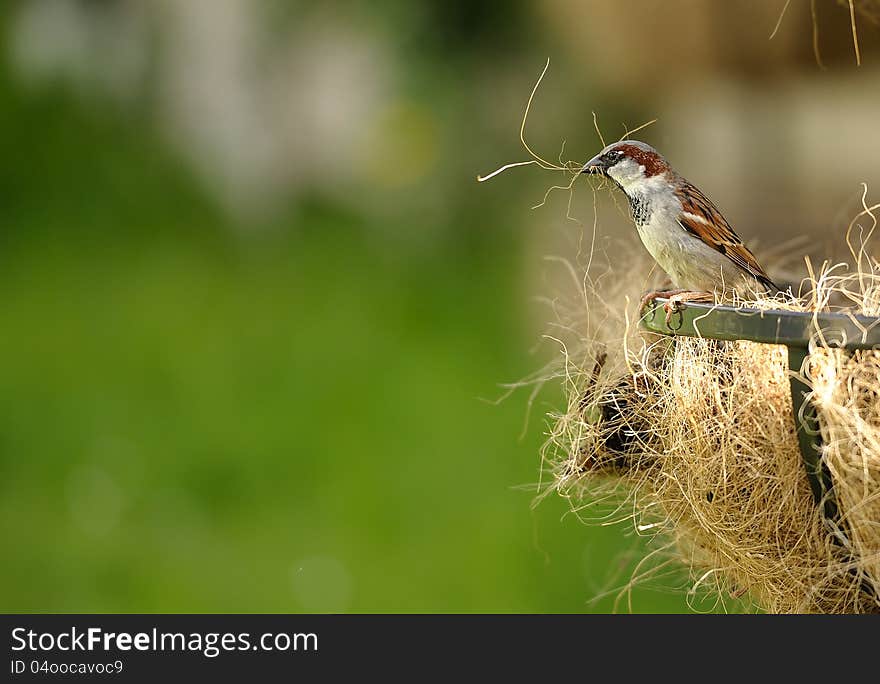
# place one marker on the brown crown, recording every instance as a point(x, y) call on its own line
point(654, 164)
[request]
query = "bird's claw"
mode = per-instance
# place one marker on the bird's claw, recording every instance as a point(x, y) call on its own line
point(649, 297)
point(675, 300)
point(672, 306)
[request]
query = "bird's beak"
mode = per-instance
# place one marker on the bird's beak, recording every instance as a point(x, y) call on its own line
point(595, 165)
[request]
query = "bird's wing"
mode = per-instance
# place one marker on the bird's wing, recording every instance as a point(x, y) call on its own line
point(701, 218)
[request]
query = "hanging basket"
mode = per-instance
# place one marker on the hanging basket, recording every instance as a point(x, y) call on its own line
point(798, 331)
point(744, 441)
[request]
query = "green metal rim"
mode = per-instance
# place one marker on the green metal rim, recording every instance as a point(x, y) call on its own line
point(774, 326)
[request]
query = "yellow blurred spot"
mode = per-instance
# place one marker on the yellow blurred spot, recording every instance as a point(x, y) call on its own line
point(402, 148)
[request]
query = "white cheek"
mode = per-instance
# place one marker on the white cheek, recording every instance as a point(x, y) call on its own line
point(619, 172)
point(627, 173)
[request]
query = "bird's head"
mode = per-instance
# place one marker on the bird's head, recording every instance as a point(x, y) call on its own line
point(628, 163)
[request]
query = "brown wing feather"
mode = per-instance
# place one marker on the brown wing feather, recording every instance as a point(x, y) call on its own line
point(716, 231)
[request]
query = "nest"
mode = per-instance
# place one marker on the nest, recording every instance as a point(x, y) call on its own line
point(694, 442)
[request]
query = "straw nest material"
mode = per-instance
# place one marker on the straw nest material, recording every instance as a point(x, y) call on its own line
point(694, 442)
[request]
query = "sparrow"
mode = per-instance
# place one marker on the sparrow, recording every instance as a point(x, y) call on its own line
point(679, 226)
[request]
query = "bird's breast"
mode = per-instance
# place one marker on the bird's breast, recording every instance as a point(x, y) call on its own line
point(661, 239)
point(689, 262)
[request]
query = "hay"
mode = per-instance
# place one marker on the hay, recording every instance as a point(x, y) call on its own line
point(693, 442)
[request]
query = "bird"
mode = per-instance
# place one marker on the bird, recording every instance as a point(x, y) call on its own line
point(680, 227)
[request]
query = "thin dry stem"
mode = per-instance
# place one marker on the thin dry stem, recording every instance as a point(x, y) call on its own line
point(571, 167)
point(779, 21)
point(855, 33)
point(815, 20)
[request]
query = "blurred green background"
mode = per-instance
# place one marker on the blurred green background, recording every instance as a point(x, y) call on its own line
point(256, 310)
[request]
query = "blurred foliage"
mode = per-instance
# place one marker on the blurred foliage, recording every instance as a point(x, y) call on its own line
point(197, 420)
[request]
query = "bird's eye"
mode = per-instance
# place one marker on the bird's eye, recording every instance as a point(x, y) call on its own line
point(613, 156)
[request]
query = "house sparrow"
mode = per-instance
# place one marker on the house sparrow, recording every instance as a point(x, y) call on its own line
point(680, 227)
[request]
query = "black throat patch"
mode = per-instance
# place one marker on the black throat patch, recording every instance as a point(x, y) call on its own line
point(641, 209)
